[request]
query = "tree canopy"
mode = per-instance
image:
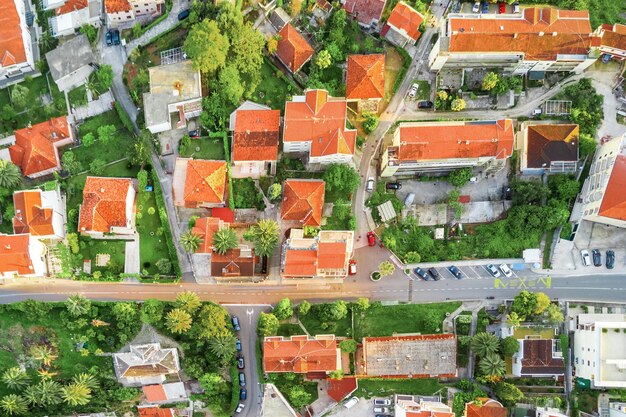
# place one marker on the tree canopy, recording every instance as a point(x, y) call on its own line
point(207, 46)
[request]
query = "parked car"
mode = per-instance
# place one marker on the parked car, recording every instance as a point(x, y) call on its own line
point(242, 379)
point(516, 7)
point(597, 257)
point(194, 134)
point(238, 345)
point(584, 254)
point(506, 270)
point(610, 259)
point(421, 273)
point(485, 7)
point(409, 199)
point(381, 409)
point(236, 325)
point(491, 297)
point(240, 362)
point(240, 408)
point(371, 239)
point(455, 271)
point(116, 37)
point(425, 104)
point(352, 267)
point(370, 185)
point(434, 273)
point(382, 401)
point(183, 15)
point(413, 90)
point(351, 402)
point(493, 270)
point(501, 7)
point(476, 7)
point(393, 185)
point(243, 394)
point(109, 38)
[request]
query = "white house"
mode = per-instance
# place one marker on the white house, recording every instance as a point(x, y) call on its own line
point(21, 255)
point(73, 14)
point(16, 53)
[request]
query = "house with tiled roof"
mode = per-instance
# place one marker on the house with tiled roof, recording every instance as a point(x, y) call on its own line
point(199, 183)
point(165, 393)
point(365, 81)
point(548, 148)
point(613, 40)
point(315, 125)
point(40, 213)
point(293, 50)
point(147, 364)
point(414, 406)
point(366, 12)
point(205, 228)
point(122, 14)
point(536, 41)
point(16, 50)
point(603, 197)
point(108, 207)
point(71, 63)
point(403, 25)
point(440, 147)
point(485, 407)
point(21, 255)
point(72, 14)
point(155, 411)
point(538, 358)
point(301, 354)
point(409, 356)
point(303, 201)
point(35, 149)
point(324, 256)
point(255, 142)
point(322, 9)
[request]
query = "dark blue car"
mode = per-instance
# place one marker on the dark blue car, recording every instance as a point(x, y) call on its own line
point(455, 271)
point(238, 345)
point(109, 38)
point(116, 37)
point(485, 7)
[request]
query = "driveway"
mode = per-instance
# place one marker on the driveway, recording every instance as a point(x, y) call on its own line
point(166, 24)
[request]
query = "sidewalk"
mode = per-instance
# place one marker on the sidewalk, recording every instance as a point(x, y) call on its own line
point(168, 23)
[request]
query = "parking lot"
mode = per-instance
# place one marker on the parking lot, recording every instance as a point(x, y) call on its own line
point(466, 7)
point(364, 408)
point(467, 272)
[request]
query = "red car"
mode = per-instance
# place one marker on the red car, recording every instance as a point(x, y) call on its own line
point(352, 267)
point(502, 7)
point(371, 239)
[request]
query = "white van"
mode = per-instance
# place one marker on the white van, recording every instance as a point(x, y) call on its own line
point(409, 199)
point(351, 402)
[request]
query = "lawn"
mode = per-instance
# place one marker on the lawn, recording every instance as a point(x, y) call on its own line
point(394, 67)
point(380, 196)
point(90, 248)
point(369, 388)
point(284, 383)
point(289, 329)
point(341, 219)
point(423, 92)
point(314, 325)
point(247, 195)
point(402, 318)
point(152, 245)
point(78, 96)
point(274, 89)
point(294, 168)
point(204, 148)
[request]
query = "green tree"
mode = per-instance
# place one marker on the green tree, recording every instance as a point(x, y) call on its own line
point(125, 312)
point(190, 241)
point(90, 32)
point(106, 133)
point(141, 150)
point(563, 186)
point(19, 96)
point(142, 180)
point(46, 393)
point(224, 240)
point(136, 30)
point(76, 394)
point(386, 268)
point(442, 95)
point(542, 302)
point(528, 192)
point(334, 311)
point(283, 309)
point(484, 344)
point(492, 365)
point(223, 347)
point(188, 301)
point(96, 167)
point(104, 75)
point(265, 236)
point(214, 386)
point(432, 322)
point(509, 346)
point(88, 140)
point(268, 325)
point(370, 122)
point(211, 321)
point(411, 257)
point(272, 45)
point(460, 177)
point(524, 304)
point(509, 394)
point(554, 314)
point(87, 380)
point(8, 113)
point(513, 319)
point(178, 321)
point(246, 54)
point(304, 308)
point(152, 311)
point(42, 354)
point(230, 84)
point(348, 345)
point(586, 145)
point(458, 104)
point(341, 179)
point(164, 265)
point(14, 405)
point(206, 46)
point(275, 191)
point(490, 81)
point(323, 60)
point(361, 304)
point(77, 305)
point(10, 175)
point(336, 374)
point(298, 397)
point(15, 378)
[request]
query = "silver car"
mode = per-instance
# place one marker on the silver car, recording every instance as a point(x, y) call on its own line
point(584, 254)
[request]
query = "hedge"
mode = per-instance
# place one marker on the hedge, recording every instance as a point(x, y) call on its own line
point(224, 136)
point(168, 6)
point(124, 118)
point(406, 62)
point(158, 194)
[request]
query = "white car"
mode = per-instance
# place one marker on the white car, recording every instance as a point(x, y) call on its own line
point(370, 185)
point(506, 270)
point(413, 90)
point(476, 7)
point(584, 254)
point(382, 401)
point(240, 408)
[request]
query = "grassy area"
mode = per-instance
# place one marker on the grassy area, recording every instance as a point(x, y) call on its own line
point(423, 92)
point(482, 321)
point(247, 195)
point(274, 89)
point(314, 325)
point(369, 388)
point(78, 96)
point(284, 383)
point(293, 168)
point(403, 318)
point(289, 329)
point(152, 245)
point(204, 148)
point(341, 219)
point(91, 248)
point(394, 64)
point(547, 250)
point(380, 196)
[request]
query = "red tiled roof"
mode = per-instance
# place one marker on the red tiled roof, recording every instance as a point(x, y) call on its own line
point(366, 76)
point(35, 148)
point(551, 143)
point(154, 393)
point(224, 213)
point(206, 227)
point(365, 11)
point(614, 201)
point(30, 217)
point(155, 411)
point(303, 201)
point(104, 204)
point(542, 33)
point(489, 408)
point(293, 50)
point(71, 5)
point(116, 6)
point(11, 43)
point(321, 120)
point(407, 19)
point(300, 263)
point(14, 255)
point(614, 36)
point(255, 137)
point(331, 255)
point(431, 141)
point(340, 388)
point(299, 354)
point(538, 359)
point(205, 182)
point(232, 264)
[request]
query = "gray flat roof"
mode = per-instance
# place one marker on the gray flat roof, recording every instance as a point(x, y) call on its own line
point(69, 57)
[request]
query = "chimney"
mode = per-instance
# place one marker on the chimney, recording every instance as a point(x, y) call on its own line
point(554, 33)
point(515, 36)
point(541, 33)
point(102, 190)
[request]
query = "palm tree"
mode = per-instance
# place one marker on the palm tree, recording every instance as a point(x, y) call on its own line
point(15, 378)
point(77, 305)
point(178, 321)
point(14, 405)
point(76, 394)
point(492, 365)
point(224, 239)
point(265, 236)
point(10, 175)
point(87, 380)
point(188, 301)
point(46, 393)
point(190, 241)
point(484, 344)
point(386, 268)
point(43, 354)
point(223, 347)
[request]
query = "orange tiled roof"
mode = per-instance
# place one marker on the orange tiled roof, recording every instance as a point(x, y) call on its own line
point(11, 43)
point(365, 11)
point(205, 182)
point(14, 255)
point(233, 264)
point(293, 50)
point(35, 148)
point(366, 76)
point(30, 217)
point(551, 143)
point(303, 201)
point(104, 204)
point(299, 354)
point(155, 411)
point(116, 6)
point(206, 227)
point(404, 17)
point(614, 36)
point(339, 389)
point(614, 201)
point(255, 137)
point(154, 393)
point(321, 120)
point(489, 408)
point(331, 255)
point(542, 33)
point(430, 141)
point(71, 5)
point(300, 263)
